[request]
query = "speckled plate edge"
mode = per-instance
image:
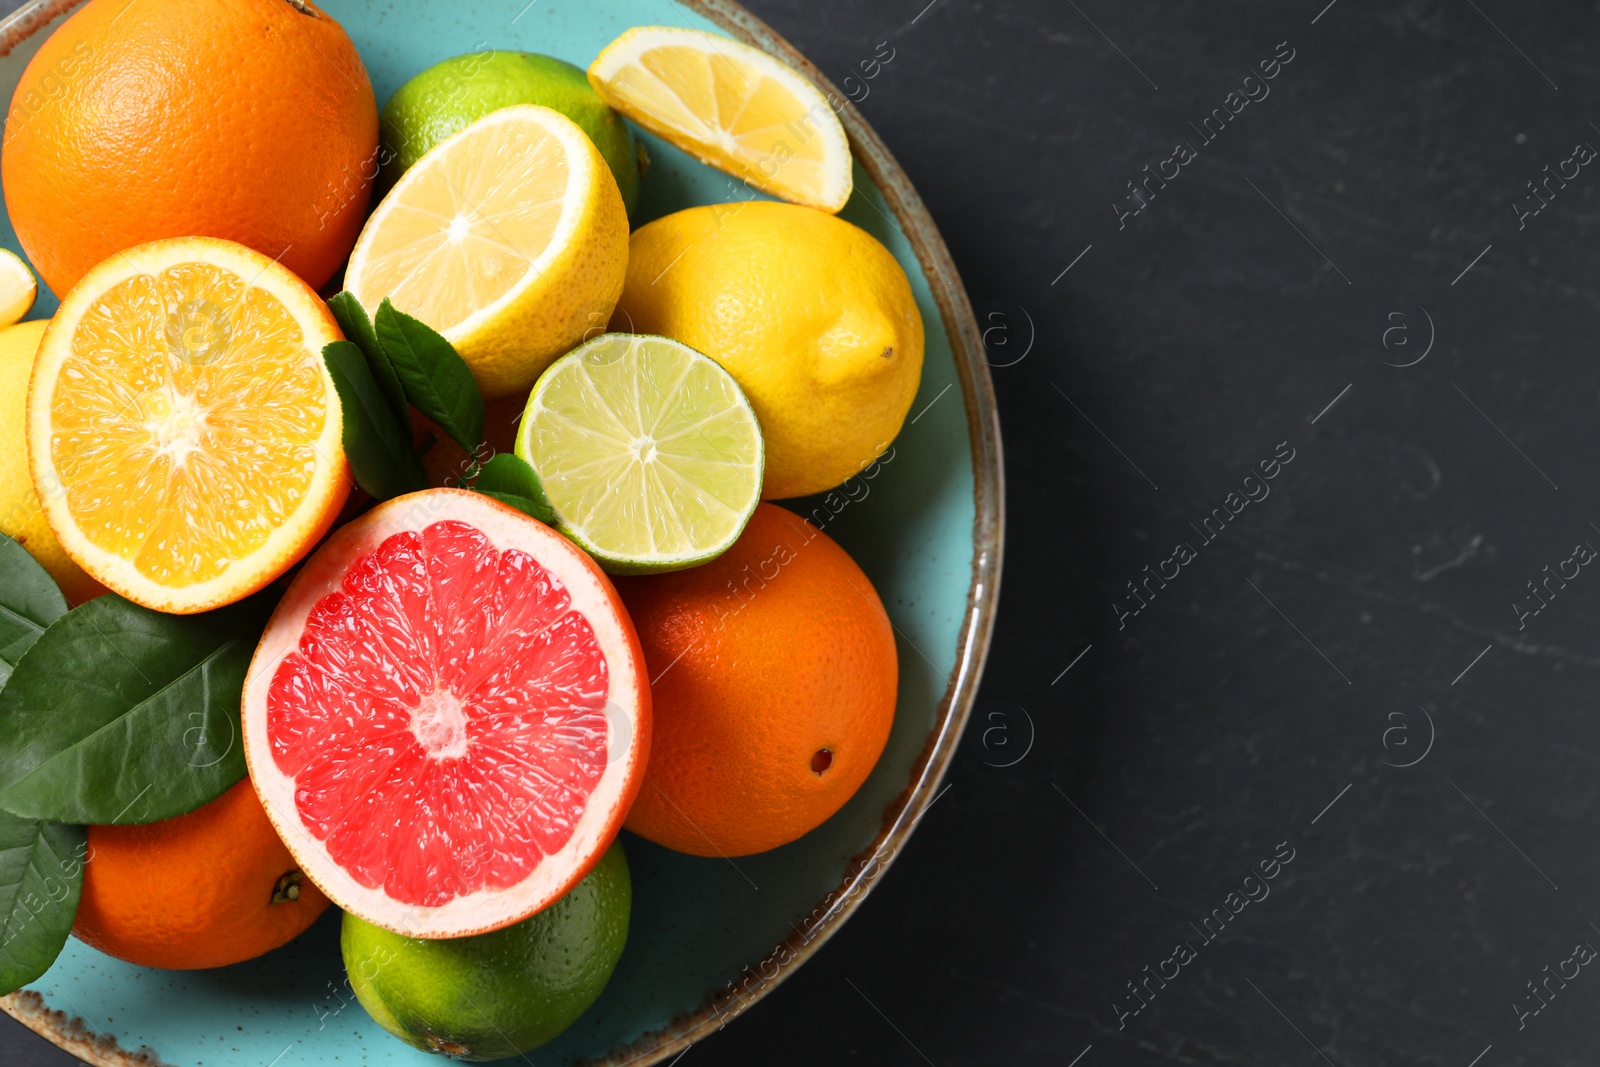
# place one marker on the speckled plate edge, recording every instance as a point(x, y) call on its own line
point(988, 480)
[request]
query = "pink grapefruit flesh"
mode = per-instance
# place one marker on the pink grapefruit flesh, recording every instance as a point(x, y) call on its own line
point(447, 717)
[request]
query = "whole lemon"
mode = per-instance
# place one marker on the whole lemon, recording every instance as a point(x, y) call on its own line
point(812, 316)
point(21, 517)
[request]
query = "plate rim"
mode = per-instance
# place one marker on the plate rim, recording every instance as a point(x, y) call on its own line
point(973, 638)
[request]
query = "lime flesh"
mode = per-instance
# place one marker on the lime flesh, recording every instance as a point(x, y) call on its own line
point(648, 451)
point(502, 993)
point(451, 95)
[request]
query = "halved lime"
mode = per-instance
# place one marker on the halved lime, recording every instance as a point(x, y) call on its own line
point(649, 452)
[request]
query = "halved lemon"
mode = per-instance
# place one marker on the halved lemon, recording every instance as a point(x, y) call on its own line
point(509, 238)
point(732, 106)
point(183, 433)
point(18, 287)
point(648, 451)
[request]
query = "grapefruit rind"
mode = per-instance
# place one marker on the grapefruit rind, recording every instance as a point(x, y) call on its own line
point(319, 504)
point(628, 718)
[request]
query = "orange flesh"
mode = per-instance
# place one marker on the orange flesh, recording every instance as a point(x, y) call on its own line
point(186, 420)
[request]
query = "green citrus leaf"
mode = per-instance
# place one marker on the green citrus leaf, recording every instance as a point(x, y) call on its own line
point(29, 601)
point(357, 327)
point(437, 381)
point(120, 714)
point(41, 877)
point(511, 481)
point(377, 442)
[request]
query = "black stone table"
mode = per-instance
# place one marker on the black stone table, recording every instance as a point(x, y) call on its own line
point(1287, 749)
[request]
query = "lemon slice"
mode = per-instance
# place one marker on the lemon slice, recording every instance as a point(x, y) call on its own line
point(18, 287)
point(649, 452)
point(732, 106)
point(509, 238)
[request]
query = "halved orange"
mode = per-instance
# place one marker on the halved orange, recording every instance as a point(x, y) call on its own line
point(183, 433)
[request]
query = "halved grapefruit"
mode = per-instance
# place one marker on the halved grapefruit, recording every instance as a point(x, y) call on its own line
point(448, 716)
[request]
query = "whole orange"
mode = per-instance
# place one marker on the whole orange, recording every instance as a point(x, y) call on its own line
point(205, 889)
point(251, 120)
point(774, 680)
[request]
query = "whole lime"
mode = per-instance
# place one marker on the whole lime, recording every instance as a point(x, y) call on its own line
point(451, 95)
point(502, 993)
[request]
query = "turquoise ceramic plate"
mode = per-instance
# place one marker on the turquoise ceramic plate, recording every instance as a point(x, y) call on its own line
point(709, 937)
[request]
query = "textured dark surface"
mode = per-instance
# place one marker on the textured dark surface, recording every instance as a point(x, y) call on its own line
point(1324, 638)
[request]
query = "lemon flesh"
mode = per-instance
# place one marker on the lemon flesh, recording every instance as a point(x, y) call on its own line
point(18, 287)
point(454, 93)
point(732, 106)
point(509, 238)
point(649, 452)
